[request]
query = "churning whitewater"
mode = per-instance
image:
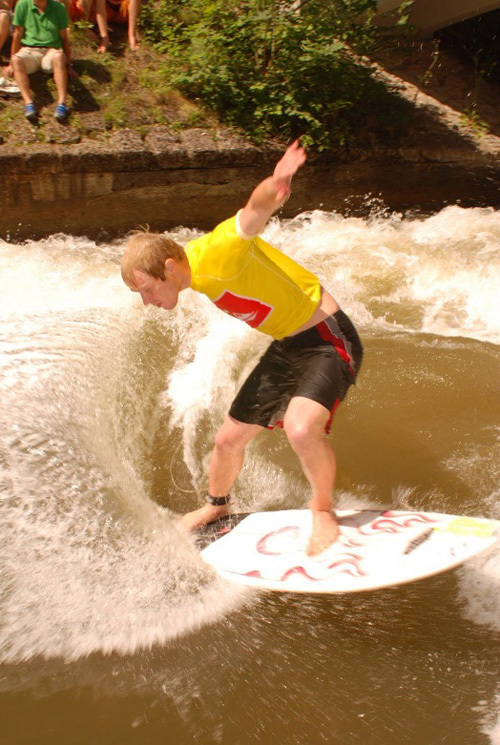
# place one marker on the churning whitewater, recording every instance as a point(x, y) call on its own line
point(108, 412)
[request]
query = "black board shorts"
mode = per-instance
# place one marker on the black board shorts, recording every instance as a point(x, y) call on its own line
point(320, 364)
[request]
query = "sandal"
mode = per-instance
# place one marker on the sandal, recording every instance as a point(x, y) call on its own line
point(31, 113)
point(61, 113)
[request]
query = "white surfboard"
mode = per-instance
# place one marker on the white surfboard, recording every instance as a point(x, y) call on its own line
point(375, 549)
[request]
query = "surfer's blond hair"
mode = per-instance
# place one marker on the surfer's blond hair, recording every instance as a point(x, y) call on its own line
point(147, 251)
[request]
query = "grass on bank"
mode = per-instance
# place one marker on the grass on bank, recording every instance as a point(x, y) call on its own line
point(265, 67)
point(258, 66)
point(277, 68)
point(113, 91)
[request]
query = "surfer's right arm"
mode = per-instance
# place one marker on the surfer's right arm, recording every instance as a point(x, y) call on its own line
point(273, 192)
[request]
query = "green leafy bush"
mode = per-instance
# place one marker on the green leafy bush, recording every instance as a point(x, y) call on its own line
point(275, 68)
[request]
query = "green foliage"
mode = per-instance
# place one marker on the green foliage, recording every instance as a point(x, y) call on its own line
point(274, 68)
point(401, 14)
point(83, 25)
point(8, 115)
point(114, 114)
point(426, 77)
point(471, 118)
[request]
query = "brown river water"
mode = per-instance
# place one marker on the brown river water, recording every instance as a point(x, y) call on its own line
point(112, 630)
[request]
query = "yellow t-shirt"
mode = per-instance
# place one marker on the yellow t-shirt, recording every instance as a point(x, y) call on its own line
point(249, 279)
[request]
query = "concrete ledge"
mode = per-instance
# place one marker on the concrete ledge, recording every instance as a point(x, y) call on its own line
point(191, 179)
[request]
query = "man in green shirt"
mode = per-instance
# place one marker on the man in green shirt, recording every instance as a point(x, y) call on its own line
point(40, 42)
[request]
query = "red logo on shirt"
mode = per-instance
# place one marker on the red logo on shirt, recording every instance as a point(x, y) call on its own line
point(246, 309)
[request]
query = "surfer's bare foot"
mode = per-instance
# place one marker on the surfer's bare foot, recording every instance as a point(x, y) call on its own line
point(204, 515)
point(325, 531)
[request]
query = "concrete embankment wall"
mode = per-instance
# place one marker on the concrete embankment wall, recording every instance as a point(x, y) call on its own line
point(429, 15)
point(103, 192)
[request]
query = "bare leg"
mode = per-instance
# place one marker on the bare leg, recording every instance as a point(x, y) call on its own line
point(102, 25)
point(133, 14)
point(60, 75)
point(4, 28)
point(304, 425)
point(21, 78)
point(225, 465)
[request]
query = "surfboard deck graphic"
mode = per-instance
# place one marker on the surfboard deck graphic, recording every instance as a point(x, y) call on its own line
point(376, 548)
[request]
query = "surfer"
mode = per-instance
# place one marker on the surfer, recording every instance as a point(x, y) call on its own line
point(307, 369)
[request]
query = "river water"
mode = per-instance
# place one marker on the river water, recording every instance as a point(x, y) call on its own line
point(112, 630)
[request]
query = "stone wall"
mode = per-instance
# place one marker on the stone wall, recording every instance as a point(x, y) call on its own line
point(192, 179)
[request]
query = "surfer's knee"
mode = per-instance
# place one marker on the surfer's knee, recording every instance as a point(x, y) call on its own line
point(304, 432)
point(299, 434)
point(226, 441)
point(233, 436)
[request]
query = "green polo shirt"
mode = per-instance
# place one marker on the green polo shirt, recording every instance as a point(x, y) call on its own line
point(41, 29)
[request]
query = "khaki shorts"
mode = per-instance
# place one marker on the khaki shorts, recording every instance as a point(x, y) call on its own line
point(38, 58)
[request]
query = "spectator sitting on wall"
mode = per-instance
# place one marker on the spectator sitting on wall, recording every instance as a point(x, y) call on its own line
point(103, 12)
point(125, 11)
point(40, 42)
point(93, 12)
